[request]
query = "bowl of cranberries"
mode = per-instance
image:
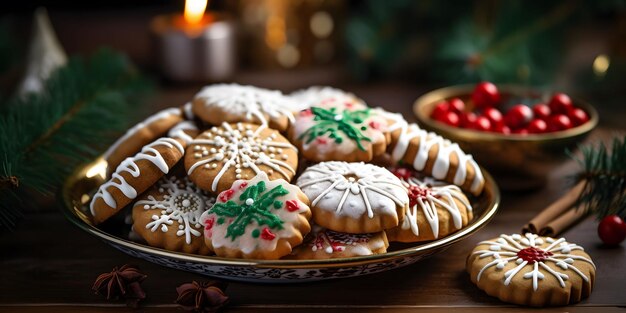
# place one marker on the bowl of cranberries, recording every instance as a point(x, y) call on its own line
point(520, 134)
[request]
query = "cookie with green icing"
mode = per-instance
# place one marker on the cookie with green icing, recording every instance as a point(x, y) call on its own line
point(257, 219)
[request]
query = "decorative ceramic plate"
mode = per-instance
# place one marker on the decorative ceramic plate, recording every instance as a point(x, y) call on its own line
point(82, 184)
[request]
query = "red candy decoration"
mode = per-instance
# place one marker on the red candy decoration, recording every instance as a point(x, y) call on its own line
point(541, 111)
point(451, 119)
point(292, 205)
point(209, 223)
point(306, 112)
point(486, 95)
point(482, 124)
point(267, 234)
point(532, 255)
point(560, 103)
point(578, 116)
point(468, 119)
point(243, 185)
point(456, 105)
point(374, 125)
point(518, 116)
point(494, 116)
point(321, 140)
point(226, 195)
point(417, 192)
point(559, 122)
point(537, 126)
point(612, 230)
point(440, 110)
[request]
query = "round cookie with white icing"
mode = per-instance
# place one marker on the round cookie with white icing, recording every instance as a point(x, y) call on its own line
point(354, 197)
point(312, 96)
point(339, 130)
point(233, 103)
point(327, 244)
point(223, 154)
point(532, 270)
point(257, 219)
point(135, 175)
point(436, 210)
point(140, 135)
point(168, 215)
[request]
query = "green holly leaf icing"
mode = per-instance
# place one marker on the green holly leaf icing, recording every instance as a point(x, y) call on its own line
point(328, 121)
point(255, 207)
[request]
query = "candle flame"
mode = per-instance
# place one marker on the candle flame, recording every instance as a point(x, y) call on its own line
point(194, 10)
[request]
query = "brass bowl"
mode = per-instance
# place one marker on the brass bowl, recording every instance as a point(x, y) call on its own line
point(517, 162)
point(78, 189)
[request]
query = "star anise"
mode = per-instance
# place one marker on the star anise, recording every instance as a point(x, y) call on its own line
point(121, 283)
point(202, 297)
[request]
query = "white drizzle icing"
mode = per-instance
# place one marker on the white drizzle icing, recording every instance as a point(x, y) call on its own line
point(442, 195)
point(505, 249)
point(249, 101)
point(129, 165)
point(353, 189)
point(188, 111)
point(239, 147)
point(312, 96)
point(183, 202)
point(179, 131)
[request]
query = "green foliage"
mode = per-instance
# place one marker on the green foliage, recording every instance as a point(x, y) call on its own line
point(604, 170)
point(43, 137)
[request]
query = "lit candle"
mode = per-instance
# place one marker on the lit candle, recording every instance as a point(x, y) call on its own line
point(196, 45)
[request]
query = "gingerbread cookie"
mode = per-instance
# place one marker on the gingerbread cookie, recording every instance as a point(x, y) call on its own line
point(434, 211)
point(168, 215)
point(140, 135)
point(532, 270)
point(257, 219)
point(327, 244)
point(185, 131)
point(354, 197)
point(134, 175)
point(339, 130)
point(313, 96)
point(234, 103)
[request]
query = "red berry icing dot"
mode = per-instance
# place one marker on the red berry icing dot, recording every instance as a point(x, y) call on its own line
point(306, 112)
point(208, 225)
point(243, 185)
point(532, 255)
point(267, 234)
point(417, 192)
point(374, 125)
point(292, 205)
point(321, 140)
point(226, 195)
point(402, 172)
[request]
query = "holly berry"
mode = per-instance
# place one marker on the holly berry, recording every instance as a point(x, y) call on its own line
point(482, 124)
point(541, 111)
point(468, 119)
point(451, 119)
point(494, 116)
point(578, 116)
point(518, 116)
point(537, 126)
point(612, 230)
point(560, 103)
point(559, 122)
point(486, 95)
point(440, 110)
point(501, 128)
point(456, 105)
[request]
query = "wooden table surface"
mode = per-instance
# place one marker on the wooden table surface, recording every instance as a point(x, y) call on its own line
point(50, 264)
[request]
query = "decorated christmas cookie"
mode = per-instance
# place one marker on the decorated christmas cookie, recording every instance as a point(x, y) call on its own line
point(433, 155)
point(434, 211)
point(134, 175)
point(223, 154)
point(185, 131)
point(337, 129)
point(234, 103)
point(313, 96)
point(532, 270)
point(140, 135)
point(327, 244)
point(354, 197)
point(257, 219)
point(168, 215)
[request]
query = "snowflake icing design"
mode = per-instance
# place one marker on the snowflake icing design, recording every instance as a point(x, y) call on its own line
point(183, 202)
point(524, 250)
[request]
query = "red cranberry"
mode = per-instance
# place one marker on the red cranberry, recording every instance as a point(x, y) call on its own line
point(578, 116)
point(520, 131)
point(541, 111)
point(559, 122)
point(501, 128)
point(451, 119)
point(537, 126)
point(494, 116)
point(440, 110)
point(482, 124)
point(456, 105)
point(612, 230)
point(560, 103)
point(518, 116)
point(486, 95)
point(468, 119)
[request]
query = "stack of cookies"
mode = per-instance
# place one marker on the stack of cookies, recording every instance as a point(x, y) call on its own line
point(245, 172)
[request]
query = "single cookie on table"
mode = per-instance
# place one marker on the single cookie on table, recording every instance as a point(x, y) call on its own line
point(312, 96)
point(168, 215)
point(532, 270)
point(432, 155)
point(339, 129)
point(323, 243)
point(140, 135)
point(135, 175)
point(257, 219)
point(436, 209)
point(223, 154)
point(234, 103)
point(354, 197)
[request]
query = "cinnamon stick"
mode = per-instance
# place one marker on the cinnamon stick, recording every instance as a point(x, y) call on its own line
point(555, 209)
point(563, 222)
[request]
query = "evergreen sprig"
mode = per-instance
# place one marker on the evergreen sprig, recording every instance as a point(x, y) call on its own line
point(604, 171)
point(44, 136)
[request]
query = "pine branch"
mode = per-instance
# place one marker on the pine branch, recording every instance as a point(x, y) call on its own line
point(43, 137)
point(604, 171)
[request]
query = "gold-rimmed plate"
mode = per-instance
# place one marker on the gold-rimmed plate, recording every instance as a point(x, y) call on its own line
point(83, 183)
